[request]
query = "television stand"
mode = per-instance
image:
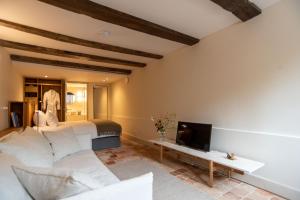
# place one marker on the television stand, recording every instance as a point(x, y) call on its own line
point(215, 159)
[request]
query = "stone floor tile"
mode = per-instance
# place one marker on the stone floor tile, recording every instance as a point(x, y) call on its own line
point(241, 192)
point(277, 198)
point(257, 196)
point(224, 188)
point(264, 193)
point(231, 196)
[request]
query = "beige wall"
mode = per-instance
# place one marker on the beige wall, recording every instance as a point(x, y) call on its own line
point(244, 80)
point(101, 102)
point(11, 86)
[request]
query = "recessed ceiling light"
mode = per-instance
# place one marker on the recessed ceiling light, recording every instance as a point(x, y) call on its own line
point(105, 33)
point(46, 76)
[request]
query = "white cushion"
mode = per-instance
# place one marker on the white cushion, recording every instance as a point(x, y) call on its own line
point(85, 141)
point(43, 183)
point(52, 119)
point(87, 162)
point(31, 148)
point(40, 119)
point(139, 188)
point(10, 187)
point(63, 142)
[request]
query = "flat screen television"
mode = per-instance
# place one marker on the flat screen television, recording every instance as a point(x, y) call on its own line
point(194, 135)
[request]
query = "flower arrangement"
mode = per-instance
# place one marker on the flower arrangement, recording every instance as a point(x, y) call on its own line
point(163, 122)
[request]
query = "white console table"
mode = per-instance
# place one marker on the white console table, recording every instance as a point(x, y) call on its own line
point(215, 159)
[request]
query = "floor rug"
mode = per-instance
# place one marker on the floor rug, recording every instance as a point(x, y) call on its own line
point(165, 186)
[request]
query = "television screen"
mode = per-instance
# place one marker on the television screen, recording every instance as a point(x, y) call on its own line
point(194, 135)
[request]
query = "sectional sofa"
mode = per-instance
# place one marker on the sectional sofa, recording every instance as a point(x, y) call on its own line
point(34, 166)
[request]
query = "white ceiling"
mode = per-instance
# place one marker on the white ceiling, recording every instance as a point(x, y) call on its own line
point(197, 18)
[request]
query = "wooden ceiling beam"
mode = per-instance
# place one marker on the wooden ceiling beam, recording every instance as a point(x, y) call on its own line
point(104, 13)
point(77, 41)
point(243, 9)
point(68, 54)
point(71, 65)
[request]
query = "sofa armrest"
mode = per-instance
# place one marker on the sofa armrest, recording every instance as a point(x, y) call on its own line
point(133, 189)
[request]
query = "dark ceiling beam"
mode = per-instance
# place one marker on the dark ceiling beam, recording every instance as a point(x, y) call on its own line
point(71, 65)
point(67, 54)
point(243, 9)
point(77, 41)
point(104, 13)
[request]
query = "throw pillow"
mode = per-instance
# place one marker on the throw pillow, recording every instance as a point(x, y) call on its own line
point(40, 119)
point(53, 183)
point(30, 148)
point(63, 142)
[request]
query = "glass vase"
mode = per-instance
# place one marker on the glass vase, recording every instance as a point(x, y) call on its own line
point(162, 135)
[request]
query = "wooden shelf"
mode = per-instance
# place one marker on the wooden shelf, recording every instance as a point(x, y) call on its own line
point(215, 159)
point(9, 130)
point(20, 109)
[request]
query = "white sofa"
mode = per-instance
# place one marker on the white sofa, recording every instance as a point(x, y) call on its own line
point(84, 161)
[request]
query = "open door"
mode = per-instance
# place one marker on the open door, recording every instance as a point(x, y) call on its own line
point(76, 101)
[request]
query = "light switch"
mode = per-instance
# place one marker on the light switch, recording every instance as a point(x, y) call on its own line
point(4, 108)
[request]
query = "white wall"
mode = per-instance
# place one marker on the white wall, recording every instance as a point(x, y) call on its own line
point(11, 84)
point(244, 80)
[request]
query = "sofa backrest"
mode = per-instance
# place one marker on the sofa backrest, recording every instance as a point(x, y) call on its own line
point(10, 187)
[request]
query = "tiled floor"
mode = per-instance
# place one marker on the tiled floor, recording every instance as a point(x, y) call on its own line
point(224, 188)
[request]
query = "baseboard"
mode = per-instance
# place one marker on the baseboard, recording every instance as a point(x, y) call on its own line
point(269, 185)
point(257, 181)
point(135, 139)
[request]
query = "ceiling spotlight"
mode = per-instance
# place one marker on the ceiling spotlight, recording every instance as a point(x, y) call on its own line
point(46, 76)
point(105, 33)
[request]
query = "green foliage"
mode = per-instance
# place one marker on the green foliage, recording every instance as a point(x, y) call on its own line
point(163, 122)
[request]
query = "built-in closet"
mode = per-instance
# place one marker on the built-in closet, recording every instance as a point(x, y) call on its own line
point(34, 91)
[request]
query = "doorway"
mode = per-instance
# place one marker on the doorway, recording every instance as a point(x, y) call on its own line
point(76, 101)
